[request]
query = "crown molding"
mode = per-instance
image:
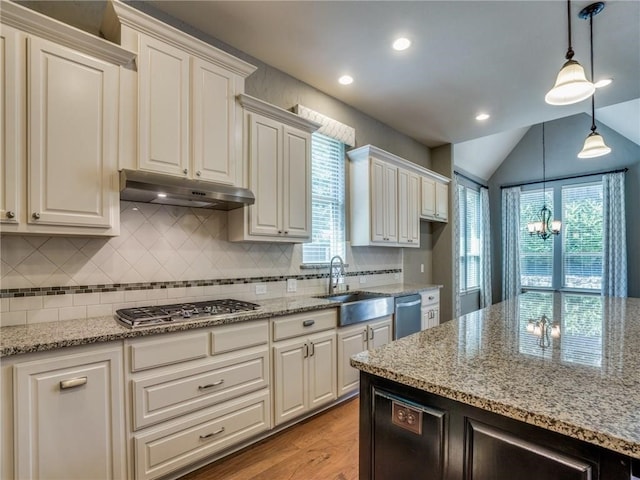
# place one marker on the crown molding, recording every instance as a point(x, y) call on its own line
point(256, 105)
point(31, 22)
point(118, 14)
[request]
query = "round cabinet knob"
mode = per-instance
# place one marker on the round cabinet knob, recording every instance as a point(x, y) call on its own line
point(411, 419)
point(185, 171)
point(198, 173)
point(286, 232)
point(402, 415)
point(10, 214)
point(279, 232)
point(36, 216)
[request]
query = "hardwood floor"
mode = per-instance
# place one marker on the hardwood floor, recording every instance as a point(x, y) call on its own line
point(324, 447)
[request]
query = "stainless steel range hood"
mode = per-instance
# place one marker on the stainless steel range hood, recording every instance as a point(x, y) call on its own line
point(146, 187)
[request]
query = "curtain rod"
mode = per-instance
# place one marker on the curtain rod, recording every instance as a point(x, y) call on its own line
point(548, 180)
point(471, 180)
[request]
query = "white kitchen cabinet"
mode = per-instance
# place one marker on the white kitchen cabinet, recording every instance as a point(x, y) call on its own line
point(355, 339)
point(385, 198)
point(304, 374)
point(187, 118)
point(430, 308)
point(434, 200)
point(69, 419)
point(278, 146)
point(193, 394)
point(59, 127)
point(408, 208)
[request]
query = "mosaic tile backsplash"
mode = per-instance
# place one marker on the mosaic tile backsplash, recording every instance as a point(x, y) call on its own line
point(174, 247)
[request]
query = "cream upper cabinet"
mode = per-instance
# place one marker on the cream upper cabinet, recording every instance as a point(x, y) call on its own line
point(384, 202)
point(408, 207)
point(434, 200)
point(187, 117)
point(163, 108)
point(278, 147)
point(59, 127)
point(69, 416)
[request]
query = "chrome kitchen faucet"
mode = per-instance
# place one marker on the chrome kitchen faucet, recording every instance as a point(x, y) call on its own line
point(336, 272)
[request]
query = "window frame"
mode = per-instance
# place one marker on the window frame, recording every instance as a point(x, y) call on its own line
point(326, 200)
point(557, 273)
point(464, 287)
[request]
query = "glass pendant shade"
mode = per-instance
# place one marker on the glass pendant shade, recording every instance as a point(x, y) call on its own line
point(594, 146)
point(571, 85)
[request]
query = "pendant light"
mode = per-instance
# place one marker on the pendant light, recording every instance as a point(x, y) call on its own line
point(571, 84)
point(594, 145)
point(543, 226)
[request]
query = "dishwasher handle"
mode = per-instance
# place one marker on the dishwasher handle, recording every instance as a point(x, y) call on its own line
point(408, 304)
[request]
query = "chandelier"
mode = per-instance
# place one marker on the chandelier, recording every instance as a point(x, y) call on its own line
point(543, 226)
point(544, 329)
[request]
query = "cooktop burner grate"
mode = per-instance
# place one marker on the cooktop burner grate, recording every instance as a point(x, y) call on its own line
point(158, 314)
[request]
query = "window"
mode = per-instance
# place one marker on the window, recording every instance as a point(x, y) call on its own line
point(579, 264)
point(327, 200)
point(469, 255)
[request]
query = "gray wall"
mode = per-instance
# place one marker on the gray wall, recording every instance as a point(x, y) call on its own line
point(564, 138)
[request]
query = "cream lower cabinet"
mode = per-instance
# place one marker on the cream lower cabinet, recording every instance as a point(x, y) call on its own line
point(430, 308)
point(355, 339)
point(194, 394)
point(304, 363)
point(59, 128)
point(69, 420)
point(278, 150)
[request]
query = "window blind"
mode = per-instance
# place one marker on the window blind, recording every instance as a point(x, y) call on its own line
point(536, 255)
point(582, 251)
point(327, 200)
point(469, 254)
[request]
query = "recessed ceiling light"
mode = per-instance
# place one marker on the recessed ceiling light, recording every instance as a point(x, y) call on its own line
point(401, 44)
point(482, 116)
point(603, 83)
point(162, 195)
point(345, 80)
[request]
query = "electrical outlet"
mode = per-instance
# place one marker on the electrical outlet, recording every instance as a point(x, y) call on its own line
point(363, 280)
point(261, 288)
point(422, 268)
point(292, 285)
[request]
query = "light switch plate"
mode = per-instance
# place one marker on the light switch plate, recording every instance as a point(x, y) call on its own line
point(292, 285)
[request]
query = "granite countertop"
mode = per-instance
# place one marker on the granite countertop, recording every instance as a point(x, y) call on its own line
point(584, 384)
point(50, 336)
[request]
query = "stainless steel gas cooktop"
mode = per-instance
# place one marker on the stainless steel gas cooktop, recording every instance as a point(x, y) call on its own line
point(163, 314)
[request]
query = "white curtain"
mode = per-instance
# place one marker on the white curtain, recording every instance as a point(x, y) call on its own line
point(456, 248)
point(614, 262)
point(485, 249)
point(510, 242)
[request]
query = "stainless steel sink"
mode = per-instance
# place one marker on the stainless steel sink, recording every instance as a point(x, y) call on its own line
point(356, 307)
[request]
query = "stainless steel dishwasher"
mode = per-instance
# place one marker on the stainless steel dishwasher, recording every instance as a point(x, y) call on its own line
point(407, 318)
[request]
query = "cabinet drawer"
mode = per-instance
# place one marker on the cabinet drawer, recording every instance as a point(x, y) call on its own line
point(304, 323)
point(177, 444)
point(168, 349)
point(242, 335)
point(185, 390)
point(430, 297)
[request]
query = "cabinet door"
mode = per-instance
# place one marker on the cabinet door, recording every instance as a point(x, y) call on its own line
point(297, 183)
point(72, 137)
point(384, 202)
point(350, 342)
point(214, 120)
point(69, 417)
point(12, 106)
point(408, 214)
point(322, 369)
point(289, 379)
point(380, 333)
point(428, 204)
point(266, 180)
point(442, 201)
point(163, 98)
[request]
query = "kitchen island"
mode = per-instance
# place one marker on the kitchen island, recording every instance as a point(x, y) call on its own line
point(546, 385)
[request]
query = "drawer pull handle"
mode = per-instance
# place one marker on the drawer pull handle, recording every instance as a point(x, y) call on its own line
point(212, 434)
point(73, 383)
point(431, 297)
point(210, 385)
point(313, 349)
point(308, 323)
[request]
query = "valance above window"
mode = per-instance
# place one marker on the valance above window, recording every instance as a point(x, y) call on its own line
point(330, 127)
